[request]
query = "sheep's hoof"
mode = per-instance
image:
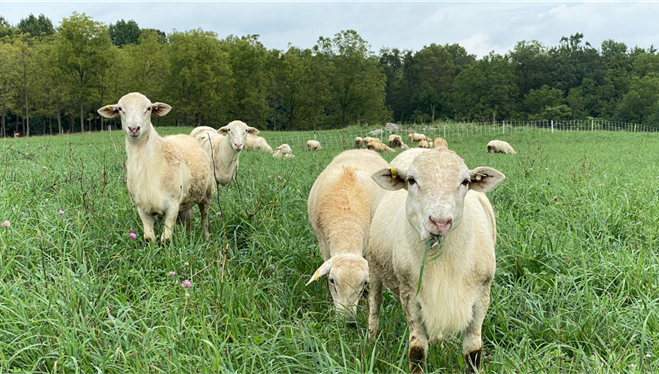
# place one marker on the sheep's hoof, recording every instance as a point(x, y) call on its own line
point(417, 359)
point(473, 361)
point(165, 242)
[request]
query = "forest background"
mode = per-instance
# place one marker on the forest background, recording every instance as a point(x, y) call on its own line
point(52, 79)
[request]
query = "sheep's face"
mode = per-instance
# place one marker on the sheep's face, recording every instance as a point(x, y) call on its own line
point(236, 133)
point(347, 275)
point(284, 148)
point(135, 110)
point(436, 183)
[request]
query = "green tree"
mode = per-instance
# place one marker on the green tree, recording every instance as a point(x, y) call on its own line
point(530, 61)
point(83, 48)
point(639, 104)
point(122, 33)
point(536, 101)
point(41, 26)
point(8, 74)
point(317, 70)
point(146, 64)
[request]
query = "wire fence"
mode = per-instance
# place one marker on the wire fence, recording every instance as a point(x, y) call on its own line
point(449, 130)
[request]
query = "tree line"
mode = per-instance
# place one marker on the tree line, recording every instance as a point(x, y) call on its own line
point(52, 80)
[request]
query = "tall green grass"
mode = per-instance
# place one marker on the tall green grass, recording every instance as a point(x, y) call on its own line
point(575, 289)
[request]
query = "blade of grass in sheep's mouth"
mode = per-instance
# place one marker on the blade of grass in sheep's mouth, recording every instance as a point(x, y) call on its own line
point(423, 262)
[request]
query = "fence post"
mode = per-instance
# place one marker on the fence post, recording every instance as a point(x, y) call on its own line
point(591, 125)
point(504, 126)
point(634, 127)
point(552, 126)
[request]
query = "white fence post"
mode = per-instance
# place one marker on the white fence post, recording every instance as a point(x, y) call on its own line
point(504, 127)
point(634, 127)
point(552, 126)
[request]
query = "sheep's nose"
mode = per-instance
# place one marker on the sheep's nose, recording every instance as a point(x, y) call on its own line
point(442, 225)
point(134, 130)
point(239, 146)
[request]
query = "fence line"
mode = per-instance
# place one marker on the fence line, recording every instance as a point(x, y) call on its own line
point(452, 130)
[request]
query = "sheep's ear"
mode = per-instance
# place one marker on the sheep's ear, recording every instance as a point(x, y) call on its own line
point(322, 271)
point(252, 130)
point(390, 179)
point(160, 109)
point(278, 148)
point(223, 130)
point(109, 111)
point(484, 179)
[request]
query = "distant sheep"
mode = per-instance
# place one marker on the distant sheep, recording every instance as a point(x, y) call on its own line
point(368, 139)
point(358, 142)
point(424, 144)
point(454, 293)
point(440, 143)
point(499, 146)
point(339, 210)
point(257, 143)
point(165, 176)
point(376, 132)
point(283, 151)
point(224, 147)
point(414, 137)
point(404, 147)
point(379, 147)
point(395, 141)
point(313, 145)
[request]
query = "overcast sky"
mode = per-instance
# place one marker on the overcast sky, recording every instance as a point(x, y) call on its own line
point(480, 27)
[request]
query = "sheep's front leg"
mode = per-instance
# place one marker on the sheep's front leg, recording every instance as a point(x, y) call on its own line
point(472, 343)
point(205, 221)
point(374, 303)
point(170, 221)
point(147, 223)
point(418, 349)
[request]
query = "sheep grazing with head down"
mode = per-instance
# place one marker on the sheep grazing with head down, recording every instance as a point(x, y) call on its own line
point(440, 143)
point(358, 142)
point(224, 146)
point(313, 145)
point(257, 143)
point(499, 146)
point(424, 144)
point(165, 176)
point(436, 196)
point(414, 137)
point(379, 147)
point(395, 141)
point(283, 151)
point(339, 212)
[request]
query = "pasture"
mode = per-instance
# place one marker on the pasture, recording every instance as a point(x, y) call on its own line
point(575, 289)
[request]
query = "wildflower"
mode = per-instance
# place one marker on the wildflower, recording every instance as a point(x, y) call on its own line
point(45, 168)
point(132, 236)
point(631, 366)
point(298, 191)
point(6, 224)
point(172, 273)
point(647, 356)
point(219, 213)
point(61, 212)
point(271, 266)
point(187, 294)
point(186, 283)
point(186, 264)
point(46, 199)
point(546, 169)
point(32, 164)
point(601, 183)
point(279, 176)
point(555, 198)
point(269, 176)
point(604, 223)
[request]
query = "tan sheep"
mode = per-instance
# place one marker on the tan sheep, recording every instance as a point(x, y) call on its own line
point(313, 145)
point(414, 137)
point(379, 147)
point(257, 143)
point(436, 196)
point(358, 142)
point(499, 146)
point(339, 211)
point(283, 151)
point(395, 141)
point(440, 143)
point(165, 176)
point(368, 139)
point(424, 144)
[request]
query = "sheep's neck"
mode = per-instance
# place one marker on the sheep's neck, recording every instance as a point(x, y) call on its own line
point(142, 156)
point(228, 161)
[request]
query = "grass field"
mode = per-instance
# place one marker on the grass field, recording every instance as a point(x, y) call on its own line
point(575, 289)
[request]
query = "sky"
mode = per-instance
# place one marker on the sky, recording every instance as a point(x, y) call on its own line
point(480, 27)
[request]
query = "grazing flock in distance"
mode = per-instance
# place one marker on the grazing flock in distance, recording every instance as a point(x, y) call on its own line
point(421, 225)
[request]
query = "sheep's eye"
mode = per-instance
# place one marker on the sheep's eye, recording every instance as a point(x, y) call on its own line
point(365, 283)
point(465, 182)
point(229, 130)
point(331, 280)
point(411, 180)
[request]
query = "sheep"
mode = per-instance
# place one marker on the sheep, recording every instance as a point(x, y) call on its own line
point(224, 147)
point(283, 151)
point(368, 139)
point(414, 137)
point(358, 142)
point(424, 144)
point(404, 147)
point(440, 143)
point(313, 145)
point(395, 141)
point(339, 212)
point(379, 147)
point(499, 146)
point(165, 176)
point(436, 196)
point(201, 132)
point(257, 143)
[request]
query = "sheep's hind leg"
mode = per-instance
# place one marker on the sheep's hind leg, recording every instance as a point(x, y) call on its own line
point(418, 349)
point(147, 224)
point(374, 303)
point(472, 343)
point(205, 221)
point(185, 218)
point(170, 221)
